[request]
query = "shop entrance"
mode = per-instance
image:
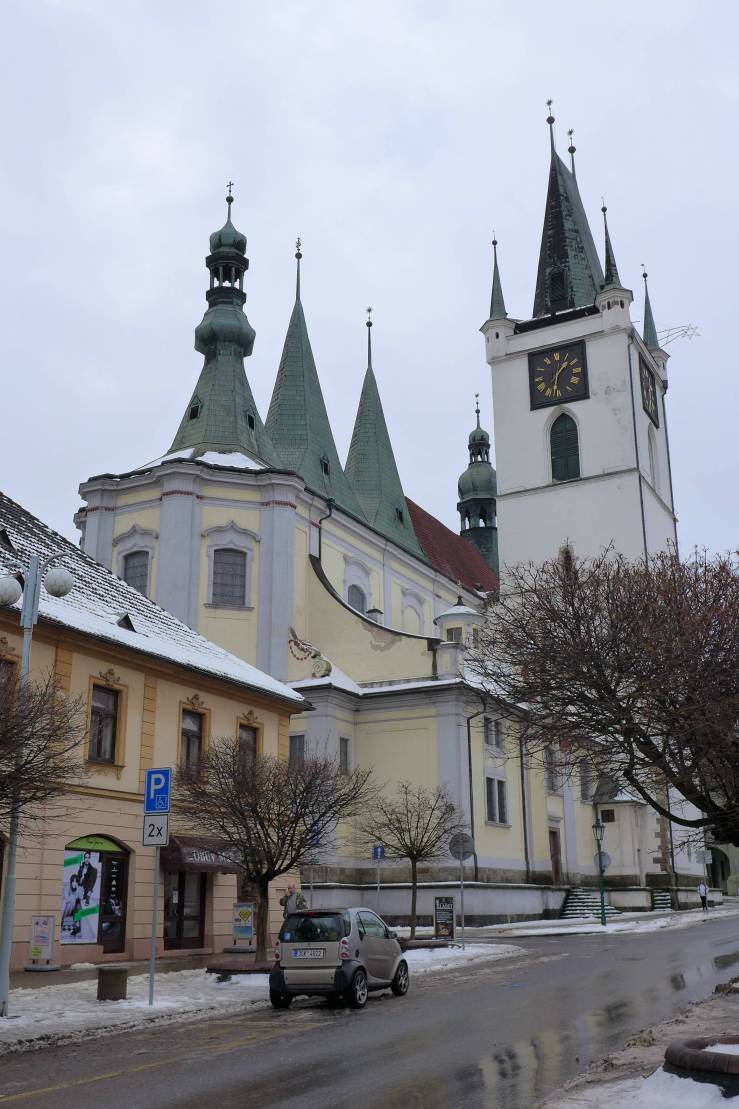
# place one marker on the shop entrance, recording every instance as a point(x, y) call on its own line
point(184, 908)
point(94, 893)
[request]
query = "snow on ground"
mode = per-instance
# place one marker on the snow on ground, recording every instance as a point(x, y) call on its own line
point(659, 1091)
point(50, 1014)
point(723, 1049)
point(644, 923)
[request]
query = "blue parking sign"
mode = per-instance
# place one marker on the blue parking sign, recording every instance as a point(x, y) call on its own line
point(157, 790)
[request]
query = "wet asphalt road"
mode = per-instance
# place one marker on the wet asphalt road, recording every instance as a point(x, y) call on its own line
point(500, 1037)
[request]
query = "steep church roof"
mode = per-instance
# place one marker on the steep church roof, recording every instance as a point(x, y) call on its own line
point(611, 275)
point(650, 331)
point(451, 555)
point(371, 469)
point(221, 414)
point(297, 421)
point(497, 303)
point(569, 274)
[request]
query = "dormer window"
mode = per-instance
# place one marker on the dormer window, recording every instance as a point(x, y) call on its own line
point(325, 467)
point(251, 422)
point(195, 408)
point(399, 515)
point(5, 541)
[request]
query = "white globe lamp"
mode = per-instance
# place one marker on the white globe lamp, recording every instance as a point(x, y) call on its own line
point(10, 590)
point(58, 581)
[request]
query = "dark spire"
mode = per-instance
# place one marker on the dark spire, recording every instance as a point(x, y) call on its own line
point(650, 331)
point(298, 256)
point(221, 414)
point(611, 275)
point(371, 468)
point(497, 304)
point(569, 273)
point(571, 151)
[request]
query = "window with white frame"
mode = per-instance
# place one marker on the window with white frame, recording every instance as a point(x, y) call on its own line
point(454, 635)
point(551, 771)
point(297, 750)
point(586, 778)
point(345, 752)
point(493, 731)
point(136, 570)
point(357, 598)
point(134, 556)
point(230, 554)
point(496, 800)
point(357, 587)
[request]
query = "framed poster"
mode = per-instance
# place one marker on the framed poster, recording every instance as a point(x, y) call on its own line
point(81, 896)
point(444, 918)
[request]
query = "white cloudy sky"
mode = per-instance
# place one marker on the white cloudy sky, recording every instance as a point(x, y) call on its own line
point(392, 137)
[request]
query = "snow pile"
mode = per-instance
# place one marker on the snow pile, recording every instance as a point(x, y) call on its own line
point(53, 1014)
point(659, 1091)
point(645, 923)
point(723, 1049)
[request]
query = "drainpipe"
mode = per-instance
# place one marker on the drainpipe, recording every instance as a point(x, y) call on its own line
point(524, 814)
point(330, 506)
point(472, 800)
point(672, 845)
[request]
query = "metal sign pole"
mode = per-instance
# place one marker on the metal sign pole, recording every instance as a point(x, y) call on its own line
point(311, 884)
point(461, 896)
point(154, 900)
point(378, 888)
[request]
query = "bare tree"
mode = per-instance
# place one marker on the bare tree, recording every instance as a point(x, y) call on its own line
point(635, 665)
point(416, 825)
point(270, 811)
point(41, 731)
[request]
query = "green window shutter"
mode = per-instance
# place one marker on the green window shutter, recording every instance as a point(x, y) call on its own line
point(565, 449)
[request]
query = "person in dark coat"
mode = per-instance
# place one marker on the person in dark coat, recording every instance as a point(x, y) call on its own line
point(87, 876)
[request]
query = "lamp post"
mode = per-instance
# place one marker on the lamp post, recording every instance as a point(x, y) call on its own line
point(598, 830)
point(58, 582)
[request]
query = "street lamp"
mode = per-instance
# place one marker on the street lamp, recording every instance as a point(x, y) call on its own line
point(58, 582)
point(598, 832)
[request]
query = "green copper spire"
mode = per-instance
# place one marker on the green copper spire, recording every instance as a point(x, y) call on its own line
point(650, 331)
point(497, 304)
point(569, 274)
point(611, 275)
point(478, 491)
point(371, 468)
point(221, 414)
point(297, 421)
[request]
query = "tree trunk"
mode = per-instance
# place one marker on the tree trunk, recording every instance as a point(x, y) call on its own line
point(414, 893)
point(262, 920)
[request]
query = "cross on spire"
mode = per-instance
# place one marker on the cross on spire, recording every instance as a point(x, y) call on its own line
point(298, 256)
point(477, 408)
point(571, 150)
point(369, 337)
point(550, 121)
point(229, 198)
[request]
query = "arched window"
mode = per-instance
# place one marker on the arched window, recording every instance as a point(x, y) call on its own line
point(229, 577)
point(653, 459)
point(357, 598)
point(136, 570)
point(565, 449)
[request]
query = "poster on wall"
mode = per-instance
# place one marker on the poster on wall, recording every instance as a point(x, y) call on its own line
point(81, 896)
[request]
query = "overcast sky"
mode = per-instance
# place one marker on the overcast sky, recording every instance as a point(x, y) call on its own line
point(393, 137)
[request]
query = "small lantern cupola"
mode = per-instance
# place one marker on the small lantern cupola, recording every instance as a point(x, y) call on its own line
point(478, 490)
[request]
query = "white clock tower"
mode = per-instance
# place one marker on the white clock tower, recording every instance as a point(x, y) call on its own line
point(582, 452)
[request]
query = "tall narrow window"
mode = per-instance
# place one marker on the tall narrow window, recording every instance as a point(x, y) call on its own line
point(551, 771)
point(490, 801)
point(103, 724)
point(7, 670)
point(229, 577)
point(344, 754)
point(136, 570)
point(247, 747)
point(191, 741)
point(586, 779)
point(297, 750)
point(493, 730)
point(357, 598)
point(502, 801)
point(565, 449)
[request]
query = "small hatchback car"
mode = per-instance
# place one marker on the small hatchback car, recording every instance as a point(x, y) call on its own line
point(339, 953)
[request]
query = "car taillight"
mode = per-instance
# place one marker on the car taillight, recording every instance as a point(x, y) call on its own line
point(344, 948)
point(278, 951)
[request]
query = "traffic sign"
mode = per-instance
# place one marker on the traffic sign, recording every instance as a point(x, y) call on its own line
point(378, 853)
point(605, 859)
point(158, 790)
point(156, 830)
point(461, 846)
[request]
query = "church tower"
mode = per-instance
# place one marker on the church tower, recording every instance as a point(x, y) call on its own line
point(477, 490)
point(579, 400)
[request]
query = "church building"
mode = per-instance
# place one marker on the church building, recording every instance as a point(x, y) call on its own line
point(328, 577)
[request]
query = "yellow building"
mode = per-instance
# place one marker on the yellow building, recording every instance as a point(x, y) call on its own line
point(156, 692)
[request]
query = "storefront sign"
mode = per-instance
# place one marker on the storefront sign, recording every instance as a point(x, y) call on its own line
point(243, 922)
point(42, 938)
point(81, 896)
point(444, 918)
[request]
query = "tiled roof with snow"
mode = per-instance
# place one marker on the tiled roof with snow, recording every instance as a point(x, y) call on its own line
point(450, 554)
point(100, 600)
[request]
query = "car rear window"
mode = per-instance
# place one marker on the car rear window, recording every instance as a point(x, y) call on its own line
point(312, 928)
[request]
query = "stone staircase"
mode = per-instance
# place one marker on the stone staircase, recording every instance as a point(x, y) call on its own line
point(584, 902)
point(661, 901)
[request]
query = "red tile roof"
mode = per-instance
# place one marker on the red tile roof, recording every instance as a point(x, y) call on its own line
point(449, 553)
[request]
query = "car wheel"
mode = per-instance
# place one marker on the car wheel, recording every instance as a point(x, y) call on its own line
point(401, 981)
point(280, 1000)
point(357, 993)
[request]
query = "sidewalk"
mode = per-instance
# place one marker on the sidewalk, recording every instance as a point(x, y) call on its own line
point(625, 923)
point(82, 972)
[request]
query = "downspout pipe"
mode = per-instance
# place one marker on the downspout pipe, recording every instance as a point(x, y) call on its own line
point(330, 506)
point(524, 812)
point(472, 799)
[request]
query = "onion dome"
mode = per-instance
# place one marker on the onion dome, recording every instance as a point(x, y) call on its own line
point(228, 238)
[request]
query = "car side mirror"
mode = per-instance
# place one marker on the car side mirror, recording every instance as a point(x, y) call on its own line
point(392, 935)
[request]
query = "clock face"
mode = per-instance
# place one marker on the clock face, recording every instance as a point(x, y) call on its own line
point(649, 392)
point(558, 375)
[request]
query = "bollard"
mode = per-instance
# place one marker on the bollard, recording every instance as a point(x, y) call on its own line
point(112, 983)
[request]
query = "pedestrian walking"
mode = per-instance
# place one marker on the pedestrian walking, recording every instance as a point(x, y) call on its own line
point(703, 894)
point(292, 900)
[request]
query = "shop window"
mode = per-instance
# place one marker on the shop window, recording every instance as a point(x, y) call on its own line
point(103, 724)
point(136, 570)
point(344, 755)
point(184, 908)
point(247, 747)
point(94, 893)
point(229, 577)
point(191, 741)
point(297, 750)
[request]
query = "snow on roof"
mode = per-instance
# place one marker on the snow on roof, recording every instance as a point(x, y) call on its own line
point(99, 598)
point(234, 459)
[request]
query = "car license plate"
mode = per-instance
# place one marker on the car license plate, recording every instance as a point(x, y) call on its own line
point(309, 952)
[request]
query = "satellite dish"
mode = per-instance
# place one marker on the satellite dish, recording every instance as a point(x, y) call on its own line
point(461, 846)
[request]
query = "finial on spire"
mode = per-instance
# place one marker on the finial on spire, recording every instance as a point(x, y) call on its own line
point(369, 337)
point(477, 408)
point(298, 256)
point(229, 198)
point(550, 121)
point(571, 150)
